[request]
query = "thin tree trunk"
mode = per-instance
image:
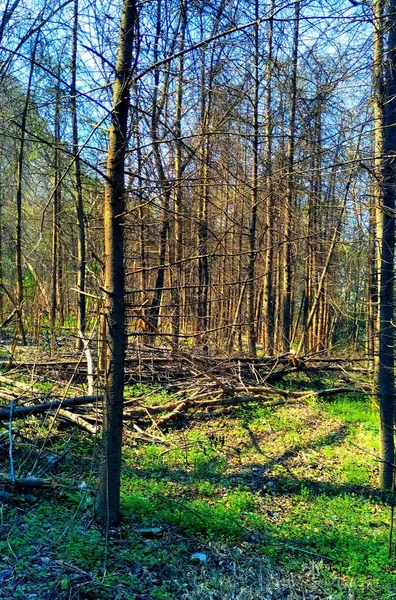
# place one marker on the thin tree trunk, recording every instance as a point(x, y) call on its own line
point(78, 191)
point(205, 151)
point(143, 279)
point(320, 290)
point(313, 229)
point(19, 178)
point(164, 184)
point(203, 263)
point(386, 374)
point(178, 271)
point(108, 505)
point(55, 223)
point(287, 254)
point(236, 319)
point(268, 298)
point(376, 208)
point(251, 287)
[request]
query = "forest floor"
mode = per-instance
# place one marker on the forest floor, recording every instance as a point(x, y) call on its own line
point(266, 503)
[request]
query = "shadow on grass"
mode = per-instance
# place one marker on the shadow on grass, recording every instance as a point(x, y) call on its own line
point(259, 476)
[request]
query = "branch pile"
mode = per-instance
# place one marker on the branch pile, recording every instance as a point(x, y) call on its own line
point(209, 384)
point(155, 365)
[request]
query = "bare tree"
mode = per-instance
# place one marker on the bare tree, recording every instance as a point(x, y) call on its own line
point(108, 507)
point(386, 362)
point(81, 250)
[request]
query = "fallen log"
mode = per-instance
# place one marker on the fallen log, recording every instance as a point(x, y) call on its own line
point(173, 410)
point(180, 410)
point(9, 397)
point(77, 420)
point(177, 365)
point(23, 411)
point(18, 384)
point(26, 482)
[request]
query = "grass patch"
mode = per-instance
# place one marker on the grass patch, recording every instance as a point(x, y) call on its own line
point(353, 410)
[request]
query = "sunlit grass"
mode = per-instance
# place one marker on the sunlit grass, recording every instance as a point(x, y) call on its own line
point(289, 485)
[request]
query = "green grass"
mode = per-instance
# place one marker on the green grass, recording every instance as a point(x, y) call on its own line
point(155, 394)
point(339, 515)
point(44, 386)
point(290, 485)
point(352, 410)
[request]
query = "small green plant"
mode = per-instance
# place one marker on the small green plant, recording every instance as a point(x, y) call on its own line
point(44, 385)
point(86, 549)
point(155, 395)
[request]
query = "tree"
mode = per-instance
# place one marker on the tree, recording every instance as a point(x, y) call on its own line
point(290, 192)
point(251, 287)
point(108, 506)
point(56, 225)
point(21, 157)
point(269, 291)
point(387, 338)
point(81, 250)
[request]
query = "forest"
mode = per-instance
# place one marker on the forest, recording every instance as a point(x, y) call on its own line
point(197, 264)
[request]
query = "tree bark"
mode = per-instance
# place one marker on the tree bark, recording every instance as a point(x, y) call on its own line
point(251, 287)
point(21, 158)
point(178, 271)
point(386, 375)
point(203, 207)
point(108, 505)
point(55, 222)
point(81, 305)
point(287, 254)
point(268, 297)
point(164, 184)
point(376, 207)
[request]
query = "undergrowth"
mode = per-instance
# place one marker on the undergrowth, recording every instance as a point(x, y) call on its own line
point(288, 493)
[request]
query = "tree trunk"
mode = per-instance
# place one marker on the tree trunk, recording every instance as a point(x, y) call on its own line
point(178, 271)
point(386, 375)
point(376, 207)
point(78, 191)
point(55, 222)
point(108, 506)
point(164, 184)
point(204, 155)
point(287, 254)
point(251, 285)
point(268, 297)
point(21, 157)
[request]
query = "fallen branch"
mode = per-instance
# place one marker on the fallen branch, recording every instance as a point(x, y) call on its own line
point(23, 411)
point(90, 364)
point(26, 482)
point(77, 420)
point(183, 354)
point(8, 396)
point(12, 470)
point(180, 410)
point(18, 384)
point(8, 319)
